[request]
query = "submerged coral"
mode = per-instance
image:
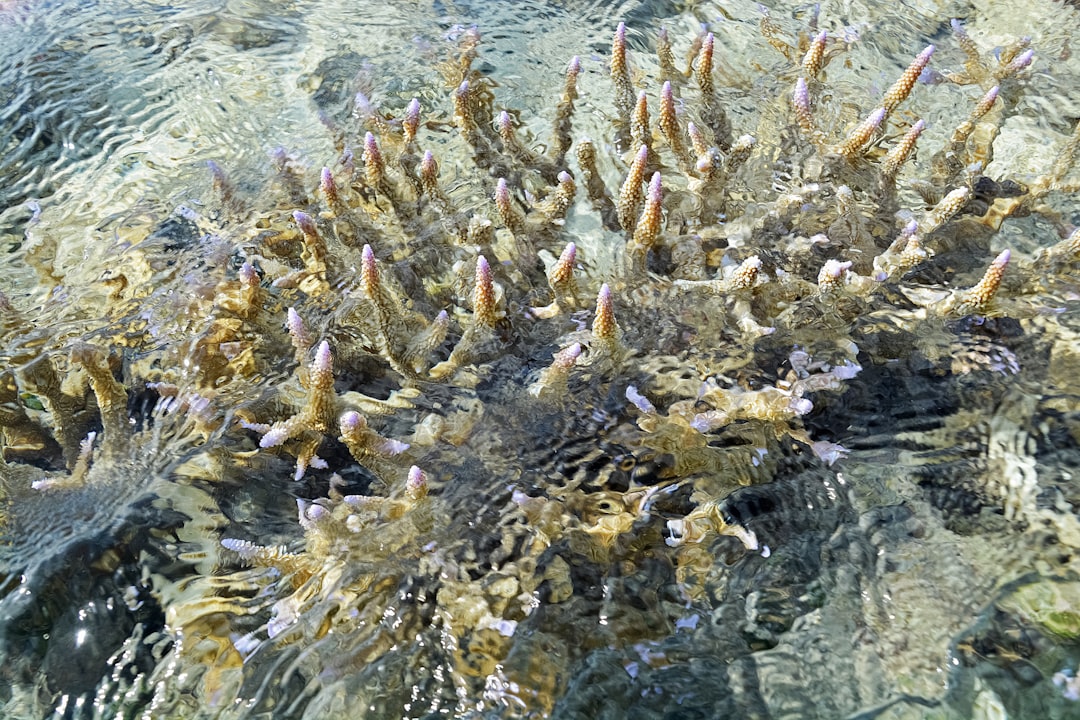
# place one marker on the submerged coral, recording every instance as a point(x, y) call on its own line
point(518, 458)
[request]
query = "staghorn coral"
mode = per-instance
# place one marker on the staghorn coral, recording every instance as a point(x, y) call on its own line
point(581, 459)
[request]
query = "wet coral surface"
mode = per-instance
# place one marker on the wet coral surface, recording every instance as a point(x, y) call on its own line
point(692, 360)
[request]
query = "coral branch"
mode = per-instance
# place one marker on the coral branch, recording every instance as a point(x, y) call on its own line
point(814, 59)
point(620, 74)
point(900, 90)
point(631, 195)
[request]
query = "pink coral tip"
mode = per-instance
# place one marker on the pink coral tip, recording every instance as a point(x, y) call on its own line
point(428, 166)
point(248, 275)
point(293, 323)
point(566, 357)
point(603, 298)
point(352, 421)
point(417, 478)
point(371, 148)
point(324, 359)
point(1022, 60)
point(802, 94)
point(305, 222)
point(604, 326)
point(569, 254)
point(216, 171)
point(655, 189)
point(369, 272)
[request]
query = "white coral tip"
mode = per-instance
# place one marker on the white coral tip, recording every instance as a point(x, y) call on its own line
point(274, 437)
point(393, 447)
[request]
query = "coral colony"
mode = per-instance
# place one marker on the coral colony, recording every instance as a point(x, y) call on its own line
point(506, 454)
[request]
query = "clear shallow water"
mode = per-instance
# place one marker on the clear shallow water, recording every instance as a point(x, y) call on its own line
point(915, 590)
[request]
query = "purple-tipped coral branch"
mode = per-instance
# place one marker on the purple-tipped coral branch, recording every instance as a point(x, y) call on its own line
point(309, 426)
point(298, 334)
point(648, 225)
point(1014, 66)
point(564, 113)
point(672, 130)
point(511, 219)
point(559, 201)
point(631, 194)
point(465, 116)
point(861, 135)
point(712, 111)
point(605, 345)
point(900, 90)
point(620, 74)
point(552, 383)
point(330, 192)
point(800, 102)
point(594, 184)
point(511, 145)
point(978, 298)
point(366, 446)
point(411, 122)
point(703, 73)
point(560, 277)
point(640, 133)
point(429, 181)
point(484, 311)
point(814, 59)
point(944, 211)
point(899, 153)
point(739, 153)
point(665, 57)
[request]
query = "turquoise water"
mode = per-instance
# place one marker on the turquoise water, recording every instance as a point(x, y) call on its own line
point(770, 501)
